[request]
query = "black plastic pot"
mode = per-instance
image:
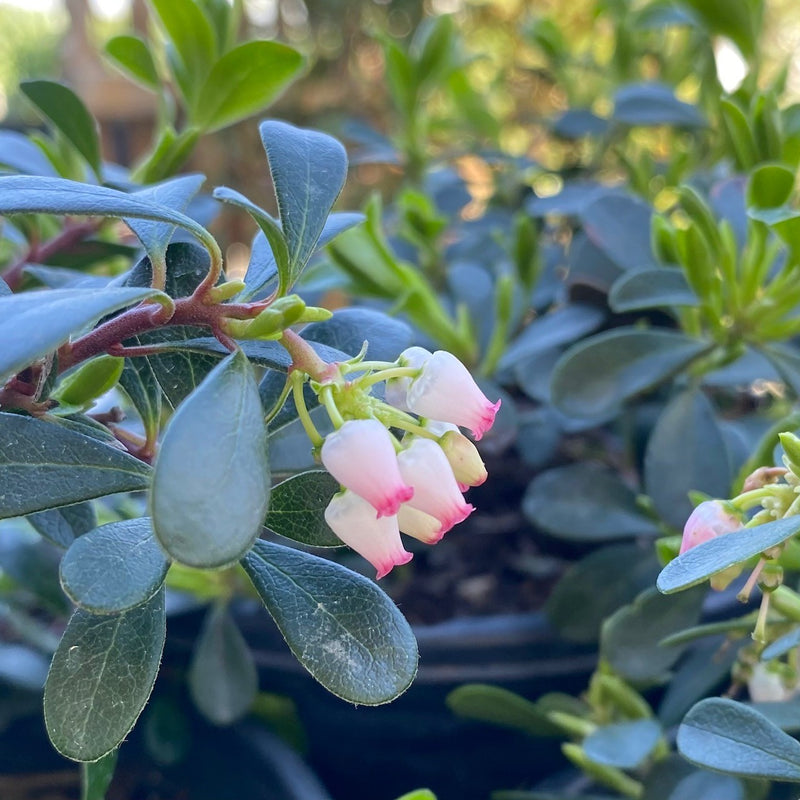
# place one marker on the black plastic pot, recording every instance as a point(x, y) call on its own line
point(416, 741)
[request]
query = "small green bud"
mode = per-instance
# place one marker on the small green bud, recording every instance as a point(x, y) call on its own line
point(791, 446)
point(225, 291)
point(89, 381)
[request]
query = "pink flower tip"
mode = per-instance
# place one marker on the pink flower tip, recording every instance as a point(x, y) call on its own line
point(389, 505)
point(709, 520)
point(385, 567)
point(485, 420)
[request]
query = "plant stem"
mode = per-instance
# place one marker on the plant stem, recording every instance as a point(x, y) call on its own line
point(304, 358)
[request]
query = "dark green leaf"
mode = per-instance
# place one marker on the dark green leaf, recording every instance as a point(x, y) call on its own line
point(100, 678)
point(33, 324)
point(708, 786)
point(192, 37)
point(308, 170)
point(786, 360)
point(37, 194)
point(597, 376)
point(341, 627)
point(687, 433)
point(44, 466)
point(211, 480)
point(654, 104)
point(783, 713)
point(737, 19)
point(724, 735)
point(4, 289)
point(631, 638)
point(62, 526)
point(499, 706)
point(96, 776)
point(297, 509)
point(699, 563)
point(222, 676)
point(596, 587)
point(245, 81)
point(139, 382)
point(651, 288)
point(132, 56)
point(114, 567)
point(349, 328)
point(624, 744)
point(262, 269)
point(70, 116)
point(584, 502)
point(782, 645)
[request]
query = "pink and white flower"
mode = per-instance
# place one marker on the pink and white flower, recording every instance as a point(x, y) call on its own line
point(709, 520)
point(424, 466)
point(361, 456)
point(420, 525)
point(445, 390)
point(397, 388)
point(353, 520)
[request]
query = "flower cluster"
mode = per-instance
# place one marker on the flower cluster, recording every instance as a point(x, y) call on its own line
point(412, 481)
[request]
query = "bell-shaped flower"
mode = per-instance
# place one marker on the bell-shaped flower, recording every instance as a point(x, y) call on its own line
point(424, 466)
point(420, 525)
point(709, 520)
point(361, 456)
point(445, 390)
point(353, 520)
point(396, 391)
point(464, 459)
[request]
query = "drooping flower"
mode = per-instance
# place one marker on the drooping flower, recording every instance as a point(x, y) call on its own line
point(361, 456)
point(397, 388)
point(445, 390)
point(709, 520)
point(424, 466)
point(353, 520)
point(464, 459)
point(420, 525)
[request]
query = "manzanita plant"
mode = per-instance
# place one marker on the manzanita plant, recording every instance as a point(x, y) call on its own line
point(212, 366)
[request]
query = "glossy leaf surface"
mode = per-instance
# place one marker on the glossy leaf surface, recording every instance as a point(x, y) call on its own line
point(62, 526)
point(43, 466)
point(341, 627)
point(297, 509)
point(100, 678)
point(211, 478)
point(114, 567)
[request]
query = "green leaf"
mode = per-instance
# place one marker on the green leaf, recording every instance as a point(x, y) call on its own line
point(21, 154)
point(624, 744)
point(244, 82)
point(739, 20)
point(114, 567)
point(597, 376)
point(709, 786)
point(607, 507)
point(595, 587)
point(297, 509)
point(651, 288)
point(139, 382)
point(222, 675)
point(769, 186)
point(69, 115)
point(62, 526)
point(730, 737)
point(44, 466)
point(90, 380)
point(654, 104)
point(782, 645)
point(701, 562)
point(33, 324)
point(687, 433)
point(743, 142)
point(192, 37)
point(4, 289)
point(268, 224)
point(211, 481)
point(308, 170)
point(341, 627)
point(24, 194)
point(100, 678)
point(96, 776)
point(500, 706)
point(631, 638)
point(132, 55)
point(175, 193)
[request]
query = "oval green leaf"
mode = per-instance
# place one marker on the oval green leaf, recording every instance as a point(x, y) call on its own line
point(597, 376)
point(223, 680)
point(245, 81)
point(340, 626)
point(731, 737)
point(101, 676)
point(297, 509)
point(701, 562)
point(45, 466)
point(33, 324)
point(132, 55)
point(114, 567)
point(624, 744)
point(769, 186)
point(651, 288)
point(211, 480)
point(62, 526)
